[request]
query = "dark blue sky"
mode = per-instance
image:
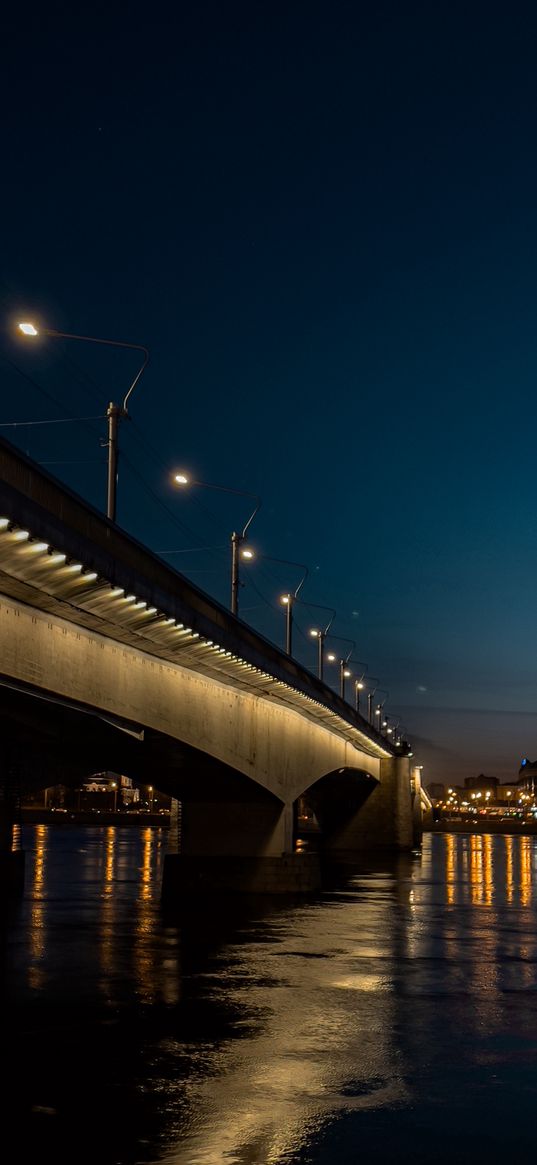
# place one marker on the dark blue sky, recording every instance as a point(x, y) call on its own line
point(322, 221)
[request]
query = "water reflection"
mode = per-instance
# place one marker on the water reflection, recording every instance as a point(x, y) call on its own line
point(483, 869)
point(276, 1033)
point(37, 874)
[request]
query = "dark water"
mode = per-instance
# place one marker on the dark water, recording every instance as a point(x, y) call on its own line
point(393, 1018)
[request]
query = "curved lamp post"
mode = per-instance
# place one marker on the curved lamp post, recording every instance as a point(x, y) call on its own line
point(379, 711)
point(115, 413)
point(237, 539)
point(370, 695)
point(359, 683)
point(289, 600)
point(320, 634)
point(399, 734)
point(391, 729)
point(344, 672)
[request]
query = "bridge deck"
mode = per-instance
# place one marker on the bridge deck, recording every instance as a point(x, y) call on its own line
point(61, 556)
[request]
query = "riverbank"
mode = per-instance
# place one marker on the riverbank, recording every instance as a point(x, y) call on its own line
point(40, 816)
point(516, 827)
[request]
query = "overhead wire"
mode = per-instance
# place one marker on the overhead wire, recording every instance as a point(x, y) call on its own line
point(52, 421)
point(43, 391)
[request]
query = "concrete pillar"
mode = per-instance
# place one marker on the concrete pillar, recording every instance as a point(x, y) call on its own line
point(385, 818)
point(396, 771)
point(248, 828)
point(174, 831)
point(417, 811)
point(238, 847)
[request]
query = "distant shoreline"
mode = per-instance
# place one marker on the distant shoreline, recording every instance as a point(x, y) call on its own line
point(42, 816)
point(518, 828)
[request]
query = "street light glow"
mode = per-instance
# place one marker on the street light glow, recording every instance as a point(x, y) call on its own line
point(181, 479)
point(284, 599)
point(114, 413)
point(247, 554)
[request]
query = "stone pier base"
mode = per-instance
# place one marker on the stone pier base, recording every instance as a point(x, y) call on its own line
point(186, 874)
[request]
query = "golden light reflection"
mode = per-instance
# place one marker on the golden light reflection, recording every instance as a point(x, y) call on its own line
point(270, 1090)
point(37, 930)
point(476, 869)
point(147, 853)
point(509, 862)
point(451, 850)
point(525, 870)
point(487, 869)
point(483, 869)
point(109, 906)
point(364, 982)
point(147, 923)
point(109, 860)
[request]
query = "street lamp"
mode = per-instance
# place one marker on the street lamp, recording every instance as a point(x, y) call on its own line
point(344, 672)
point(114, 786)
point(115, 413)
point(359, 684)
point(320, 635)
point(237, 551)
point(392, 729)
point(289, 600)
point(399, 737)
point(380, 708)
point(370, 695)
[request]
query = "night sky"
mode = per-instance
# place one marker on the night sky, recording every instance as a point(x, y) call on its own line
point(321, 219)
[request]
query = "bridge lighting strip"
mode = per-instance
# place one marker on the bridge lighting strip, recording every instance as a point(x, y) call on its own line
point(87, 599)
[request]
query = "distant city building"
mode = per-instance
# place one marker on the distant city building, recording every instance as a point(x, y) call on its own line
point(485, 784)
point(527, 776)
point(107, 782)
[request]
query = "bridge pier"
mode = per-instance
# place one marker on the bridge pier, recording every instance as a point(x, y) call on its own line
point(238, 847)
point(384, 820)
point(417, 812)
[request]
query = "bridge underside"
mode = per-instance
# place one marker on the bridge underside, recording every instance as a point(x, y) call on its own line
point(236, 834)
point(49, 741)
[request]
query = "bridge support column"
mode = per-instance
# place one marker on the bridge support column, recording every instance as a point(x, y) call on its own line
point(11, 853)
point(384, 820)
point(239, 847)
point(417, 812)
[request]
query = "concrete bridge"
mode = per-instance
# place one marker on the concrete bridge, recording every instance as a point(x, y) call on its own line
point(110, 659)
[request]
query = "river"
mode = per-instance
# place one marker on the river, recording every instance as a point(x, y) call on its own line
point(392, 1018)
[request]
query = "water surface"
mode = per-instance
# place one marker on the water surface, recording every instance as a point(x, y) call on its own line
point(391, 1018)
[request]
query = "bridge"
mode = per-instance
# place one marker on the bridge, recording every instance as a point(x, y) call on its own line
point(111, 659)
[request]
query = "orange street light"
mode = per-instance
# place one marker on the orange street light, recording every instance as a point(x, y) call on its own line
point(115, 413)
point(237, 550)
